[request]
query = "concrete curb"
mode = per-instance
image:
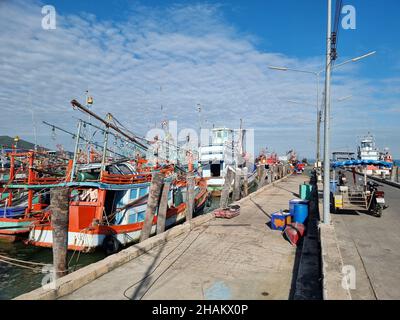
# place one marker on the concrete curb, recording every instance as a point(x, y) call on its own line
point(81, 277)
point(331, 263)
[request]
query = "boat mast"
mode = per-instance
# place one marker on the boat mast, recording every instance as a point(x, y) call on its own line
point(107, 124)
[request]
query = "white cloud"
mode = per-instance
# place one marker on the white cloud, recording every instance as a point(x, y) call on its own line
point(190, 52)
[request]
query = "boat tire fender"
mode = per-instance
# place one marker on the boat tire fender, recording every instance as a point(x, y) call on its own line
point(111, 245)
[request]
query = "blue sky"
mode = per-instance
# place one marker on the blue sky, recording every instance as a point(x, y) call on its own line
point(214, 53)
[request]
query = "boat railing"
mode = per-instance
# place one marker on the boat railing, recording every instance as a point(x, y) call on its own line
point(124, 179)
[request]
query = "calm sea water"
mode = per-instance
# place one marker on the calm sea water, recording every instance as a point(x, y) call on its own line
point(15, 281)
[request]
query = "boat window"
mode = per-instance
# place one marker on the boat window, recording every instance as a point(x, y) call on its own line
point(142, 192)
point(366, 144)
point(124, 169)
point(113, 170)
point(140, 216)
point(132, 218)
point(133, 194)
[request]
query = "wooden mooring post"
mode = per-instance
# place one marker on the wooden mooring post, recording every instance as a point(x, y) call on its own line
point(261, 177)
point(271, 174)
point(393, 174)
point(190, 195)
point(226, 189)
point(152, 204)
point(163, 207)
point(245, 182)
point(237, 185)
point(59, 204)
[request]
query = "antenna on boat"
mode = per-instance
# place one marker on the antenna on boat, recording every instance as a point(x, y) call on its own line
point(33, 120)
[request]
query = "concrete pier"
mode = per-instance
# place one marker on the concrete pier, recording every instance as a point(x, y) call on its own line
point(241, 258)
point(208, 258)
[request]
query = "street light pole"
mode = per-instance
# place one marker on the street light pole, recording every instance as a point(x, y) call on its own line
point(326, 215)
point(318, 122)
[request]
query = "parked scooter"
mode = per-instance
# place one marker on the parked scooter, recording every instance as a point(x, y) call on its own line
point(376, 199)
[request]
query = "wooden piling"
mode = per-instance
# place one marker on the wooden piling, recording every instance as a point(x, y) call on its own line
point(271, 169)
point(190, 195)
point(393, 174)
point(236, 185)
point(245, 182)
point(59, 204)
point(152, 204)
point(226, 189)
point(263, 177)
point(260, 175)
point(259, 172)
point(163, 207)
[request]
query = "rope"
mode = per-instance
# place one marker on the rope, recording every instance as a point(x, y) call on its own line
point(35, 269)
point(22, 261)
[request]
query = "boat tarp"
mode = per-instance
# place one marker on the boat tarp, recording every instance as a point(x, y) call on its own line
point(358, 163)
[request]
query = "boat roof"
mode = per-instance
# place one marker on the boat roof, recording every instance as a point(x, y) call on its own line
point(222, 129)
point(359, 163)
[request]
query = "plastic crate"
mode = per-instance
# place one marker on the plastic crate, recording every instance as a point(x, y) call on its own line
point(279, 220)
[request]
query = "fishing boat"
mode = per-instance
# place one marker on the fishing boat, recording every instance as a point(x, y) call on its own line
point(24, 195)
point(367, 150)
point(109, 198)
point(225, 150)
point(110, 213)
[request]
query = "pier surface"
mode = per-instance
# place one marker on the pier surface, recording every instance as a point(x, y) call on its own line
point(239, 258)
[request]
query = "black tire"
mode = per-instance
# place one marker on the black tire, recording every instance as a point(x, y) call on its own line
point(209, 201)
point(111, 245)
point(378, 211)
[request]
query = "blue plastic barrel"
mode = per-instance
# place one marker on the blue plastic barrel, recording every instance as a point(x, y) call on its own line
point(333, 186)
point(300, 213)
point(296, 201)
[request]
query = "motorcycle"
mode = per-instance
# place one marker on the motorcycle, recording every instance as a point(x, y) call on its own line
point(376, 198)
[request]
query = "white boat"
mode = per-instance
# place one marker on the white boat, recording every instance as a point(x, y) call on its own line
point(225, 150)
point(367, 150)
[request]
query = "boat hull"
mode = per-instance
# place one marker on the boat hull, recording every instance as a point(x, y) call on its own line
point(15, 229)
point(92, 238)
